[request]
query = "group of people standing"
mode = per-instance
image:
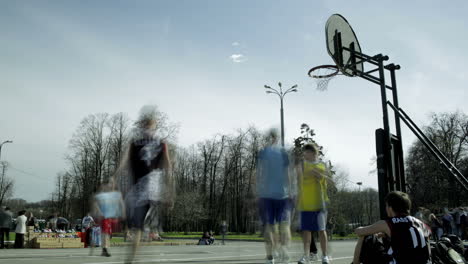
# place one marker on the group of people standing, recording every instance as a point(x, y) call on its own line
point(6, 223)
point(278, 197)
point(453, 221)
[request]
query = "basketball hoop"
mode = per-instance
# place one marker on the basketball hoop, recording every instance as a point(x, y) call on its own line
point(323, 74)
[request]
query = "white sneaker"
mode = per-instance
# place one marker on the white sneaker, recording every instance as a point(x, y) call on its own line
point(313, 257)
point(304, 260)
point(270, 261)
point(325, 260)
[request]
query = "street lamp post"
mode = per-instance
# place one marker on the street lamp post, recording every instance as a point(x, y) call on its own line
point(359, 183)
point(281, 95)
point(1, 145)
point(360, 202)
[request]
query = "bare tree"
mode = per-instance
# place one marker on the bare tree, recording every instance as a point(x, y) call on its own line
point(6, 183)
point(63, 194)
point(429, 183)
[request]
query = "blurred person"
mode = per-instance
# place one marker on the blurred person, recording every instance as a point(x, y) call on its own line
point(6, 218)
point(87, 223)
point(52, 221)
point(149, 174)
point(313, 177)
point(426, 217)
point(330, 228)
point(206, 239)
point(212, 238)
point(20, 229)
point(420, 213)
point(110, 206)
point(423, 215)
point(273, 197)
point(313, 247)
point(457, 212)
point(463, 223)
point(62, 223)
point(447, 221)
point(408, 236)
point(31, 220)
point(224, 230)
point(95, 237)
point(436, 227)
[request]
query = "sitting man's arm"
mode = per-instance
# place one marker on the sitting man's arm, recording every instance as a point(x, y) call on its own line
point(376, 228)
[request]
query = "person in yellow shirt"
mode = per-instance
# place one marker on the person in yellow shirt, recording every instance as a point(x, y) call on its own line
point(312, 200)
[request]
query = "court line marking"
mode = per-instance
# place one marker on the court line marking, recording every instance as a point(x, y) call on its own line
point(173, 260)
point(192, 259)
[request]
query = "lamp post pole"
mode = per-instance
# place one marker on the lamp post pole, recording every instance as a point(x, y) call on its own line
point(359, 183)
point(1, 145)
point(360, 202)
point(281, 95)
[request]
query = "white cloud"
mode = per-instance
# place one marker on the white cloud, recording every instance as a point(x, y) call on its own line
point(238, 58)
point(235, 44)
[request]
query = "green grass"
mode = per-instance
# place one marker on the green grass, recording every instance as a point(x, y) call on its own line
point(198, 235)
point(350, 236)
point(12, 236)
point(118, 237)
point(253, 237)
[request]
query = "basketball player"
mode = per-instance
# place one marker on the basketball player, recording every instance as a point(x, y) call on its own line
point(273, 192)
point(313, 199)
point(408, 235)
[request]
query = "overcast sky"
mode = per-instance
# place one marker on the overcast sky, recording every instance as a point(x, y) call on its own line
point(204, 63)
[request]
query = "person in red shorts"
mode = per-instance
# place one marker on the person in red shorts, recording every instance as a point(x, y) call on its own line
point(110, 206)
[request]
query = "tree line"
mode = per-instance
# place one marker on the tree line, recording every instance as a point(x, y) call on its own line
point(429, 183)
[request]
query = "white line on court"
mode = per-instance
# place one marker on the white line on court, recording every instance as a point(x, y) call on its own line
point(79, 252)
point(192, 259)
point(179, 260)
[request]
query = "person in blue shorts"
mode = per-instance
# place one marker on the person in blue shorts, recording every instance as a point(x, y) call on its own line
point(273, 192)
point(313, 177)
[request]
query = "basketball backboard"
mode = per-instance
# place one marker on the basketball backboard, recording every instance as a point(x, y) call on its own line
point(341, 41)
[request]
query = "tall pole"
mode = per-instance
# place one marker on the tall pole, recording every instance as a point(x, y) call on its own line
point(282, 123)
point(360, 202)
point(386, 177)
point(281, 95)
point(401, 178)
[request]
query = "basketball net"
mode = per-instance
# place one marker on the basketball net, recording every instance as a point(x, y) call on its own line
point(322, 75)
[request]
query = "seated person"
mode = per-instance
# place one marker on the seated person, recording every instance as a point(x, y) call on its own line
point(206, 239)
point(212, 239)
point(408, 236)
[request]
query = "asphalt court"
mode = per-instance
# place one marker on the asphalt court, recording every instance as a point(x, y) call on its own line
point(232, 252)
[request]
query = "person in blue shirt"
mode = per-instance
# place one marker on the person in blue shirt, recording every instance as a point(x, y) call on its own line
point(273, 192)
point(110, 207)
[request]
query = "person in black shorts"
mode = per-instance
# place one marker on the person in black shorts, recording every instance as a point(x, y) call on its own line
point(148, 173)
point(407, 235)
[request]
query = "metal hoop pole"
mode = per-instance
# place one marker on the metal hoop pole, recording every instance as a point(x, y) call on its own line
point(387, 180)
point(401, 180)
